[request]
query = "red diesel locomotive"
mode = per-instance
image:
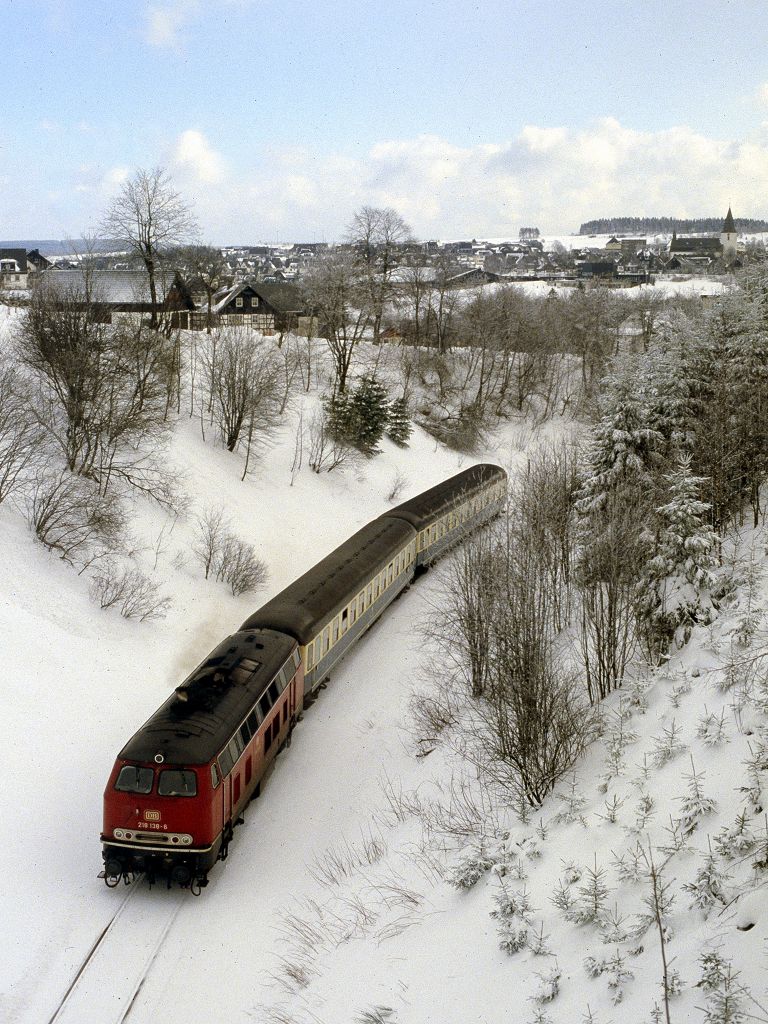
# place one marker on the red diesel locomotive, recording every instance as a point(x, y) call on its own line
point(180, 785)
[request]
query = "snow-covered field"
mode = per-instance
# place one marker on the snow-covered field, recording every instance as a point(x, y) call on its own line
point(333, 903)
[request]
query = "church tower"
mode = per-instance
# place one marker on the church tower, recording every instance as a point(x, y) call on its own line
point(728, 237)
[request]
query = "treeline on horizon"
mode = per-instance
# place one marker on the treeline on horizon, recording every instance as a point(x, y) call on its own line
point(665, 225)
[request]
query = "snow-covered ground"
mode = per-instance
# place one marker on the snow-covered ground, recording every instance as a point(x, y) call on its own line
point(333, 903)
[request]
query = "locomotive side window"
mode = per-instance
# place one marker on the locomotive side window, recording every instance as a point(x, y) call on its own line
point(215, 776)
point(245, 734)
point(177, 783)
point(265, 705)
point(254, 720)
point(226, 762)
point(273, 692)
point(133, 779)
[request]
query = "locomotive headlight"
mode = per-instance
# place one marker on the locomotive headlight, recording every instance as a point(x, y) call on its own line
point(119, 833)
point(186, 840)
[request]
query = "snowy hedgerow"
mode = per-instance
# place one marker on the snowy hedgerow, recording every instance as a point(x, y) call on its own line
point(471, 865)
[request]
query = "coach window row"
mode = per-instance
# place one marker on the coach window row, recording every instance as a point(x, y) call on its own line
point(460, 514)
point(318, 648)
point(248, 728)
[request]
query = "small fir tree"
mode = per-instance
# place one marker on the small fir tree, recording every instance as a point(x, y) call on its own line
point(399, 427)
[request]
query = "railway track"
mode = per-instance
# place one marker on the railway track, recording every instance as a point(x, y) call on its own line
point(110, 978)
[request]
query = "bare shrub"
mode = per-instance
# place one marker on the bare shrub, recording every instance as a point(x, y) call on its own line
point(399, 482)
point(236, 565)
point(211, 534)
point(524, 720)
point(129, 590)
point(21, 437)
point(326, 451)
point(69, 516)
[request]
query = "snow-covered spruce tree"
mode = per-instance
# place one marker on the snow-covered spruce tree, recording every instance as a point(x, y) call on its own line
point(708, 886)
point(371, 414)
point(695, 804)
point(399, 427)
point(613, 506)
point(676, 580)
point(359, 415)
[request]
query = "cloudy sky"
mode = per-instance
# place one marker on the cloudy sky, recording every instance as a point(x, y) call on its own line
point(278, 118)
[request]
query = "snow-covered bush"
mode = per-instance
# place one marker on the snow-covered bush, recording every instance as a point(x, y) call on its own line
point(695, 804)
point(708, 886)
point(237, 565)
point(548, 985)
point(470, 866)
point(734, 841)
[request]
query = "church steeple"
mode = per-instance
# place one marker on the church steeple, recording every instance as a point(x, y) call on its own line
point(729, 238)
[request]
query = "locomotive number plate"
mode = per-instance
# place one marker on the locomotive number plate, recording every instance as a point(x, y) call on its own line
point(152, 815)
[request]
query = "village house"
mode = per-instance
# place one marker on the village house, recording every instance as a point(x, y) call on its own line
point(264, 307)
point(13, 269)
point(120, 295)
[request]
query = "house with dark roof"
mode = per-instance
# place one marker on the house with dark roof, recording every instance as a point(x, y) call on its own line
point(13, 268)
point(264, 307)
point(117, 295)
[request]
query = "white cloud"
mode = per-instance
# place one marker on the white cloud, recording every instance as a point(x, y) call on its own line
point(193, 154)
point(165, 21)
point(555, 178)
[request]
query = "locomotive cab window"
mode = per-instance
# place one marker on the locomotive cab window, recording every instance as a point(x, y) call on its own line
point(133, 779)
point(215, 776)
point(177, 783)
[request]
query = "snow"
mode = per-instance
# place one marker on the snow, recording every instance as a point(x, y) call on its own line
point(334, 900)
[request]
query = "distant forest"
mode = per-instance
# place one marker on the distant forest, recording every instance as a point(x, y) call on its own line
point(665, 225)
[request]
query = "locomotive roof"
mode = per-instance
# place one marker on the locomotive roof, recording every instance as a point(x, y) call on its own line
point(199, 717)
point(312, 600)
point(423, 509)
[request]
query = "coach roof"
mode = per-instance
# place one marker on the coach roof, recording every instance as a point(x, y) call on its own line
point(304, 607)
point(425, 508)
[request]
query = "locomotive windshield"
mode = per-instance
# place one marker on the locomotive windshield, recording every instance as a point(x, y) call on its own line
point(177, 783)
point(133, 779)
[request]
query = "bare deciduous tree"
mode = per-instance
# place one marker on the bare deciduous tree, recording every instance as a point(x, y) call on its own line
point(22, 439)
point(211, 533)
point(150, 217)
point(378, 235)
point(98, 391)
point(336, 289)
point(244, 375)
